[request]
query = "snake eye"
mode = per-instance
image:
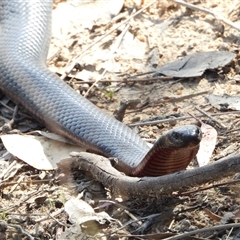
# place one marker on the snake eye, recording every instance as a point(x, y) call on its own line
point(197, 131)
point(176, 135)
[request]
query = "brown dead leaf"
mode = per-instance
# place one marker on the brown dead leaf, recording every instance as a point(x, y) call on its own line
point(39, 152)
point(212, 215)
point(207, 144)
point(80, 212)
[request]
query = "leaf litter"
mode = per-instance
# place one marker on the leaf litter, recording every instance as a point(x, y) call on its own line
point(158, 36)
point(39, 152)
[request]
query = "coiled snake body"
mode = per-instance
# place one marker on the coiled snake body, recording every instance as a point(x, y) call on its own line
point(25, 31)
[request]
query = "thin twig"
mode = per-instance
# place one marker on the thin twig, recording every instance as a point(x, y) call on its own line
point(133, 217)
point(217, 16)
point(134, 221)
point(177, 119)
point(54, 55)
point(218, 227)
point(172, 100)
point(4, 184)
point(21, 202)
point(200, 189)
point(17, 184)
point(230, 232)
point(212, 118)
point(13, 109)
point(44, 218)
point(233, 130)
point(126, 80)
point(112, 202)
point(7, 127)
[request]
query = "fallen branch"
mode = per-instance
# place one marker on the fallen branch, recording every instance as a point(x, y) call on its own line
point(100, 168)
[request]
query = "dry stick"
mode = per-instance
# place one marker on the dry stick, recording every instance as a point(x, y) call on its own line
point(52, 215)
point(209, 187)
point(138, 221)
point(218, 227)
point(233, 7)
point(112, 202)
point(212, 118)
point(230, 232)
point(177, 119)
point(217, 16)
point(25, 214)
point(117, 18)
point(101, 169)
point(134, 221)
point(170, 100)
point(22, 201)
point(7, 171)
point(140, 74)
point(127, 80)
point(94, 43)
point(233, 130)
point(7, 127)
point(13, 110)
point(6, 106)
point(17, 184)
point(4, 184)
point(53, 56)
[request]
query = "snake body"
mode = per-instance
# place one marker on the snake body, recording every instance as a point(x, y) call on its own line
point(25, 32)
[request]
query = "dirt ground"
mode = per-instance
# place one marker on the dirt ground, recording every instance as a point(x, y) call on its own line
point(107, 73)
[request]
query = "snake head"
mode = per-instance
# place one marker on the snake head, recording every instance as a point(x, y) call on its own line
point(182, 137)
point(172, 152)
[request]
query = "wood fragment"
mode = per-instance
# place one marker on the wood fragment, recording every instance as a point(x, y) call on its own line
point(100, 168)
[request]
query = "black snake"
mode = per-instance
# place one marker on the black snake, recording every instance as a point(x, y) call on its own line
point(25, 32)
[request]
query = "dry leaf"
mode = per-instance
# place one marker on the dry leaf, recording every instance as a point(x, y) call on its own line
point(53, 136)
point(212, 215)
point(80, 212)
point(224, 102)
point(39, 152)
point(196, 64)
point(11, 170)
point(72, 232)
point(207, 144)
